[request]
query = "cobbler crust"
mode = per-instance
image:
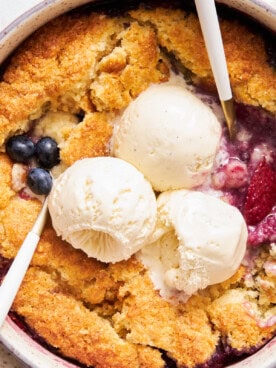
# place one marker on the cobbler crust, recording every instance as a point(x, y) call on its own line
point(110, 315)
point(86, 63)
point(97, 63)
point(249, 71)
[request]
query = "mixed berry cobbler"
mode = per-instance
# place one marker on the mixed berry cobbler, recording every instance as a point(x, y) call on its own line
point(59, 94)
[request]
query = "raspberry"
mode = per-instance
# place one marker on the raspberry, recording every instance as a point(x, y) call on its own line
point(261, 195)
point(265, 231)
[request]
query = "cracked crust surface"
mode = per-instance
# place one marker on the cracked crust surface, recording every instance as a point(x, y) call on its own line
point(97, 63)
point(110, 315)
point(253, 81)
point(86, 63)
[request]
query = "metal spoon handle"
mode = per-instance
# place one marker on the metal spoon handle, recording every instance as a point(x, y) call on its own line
point(20, 264)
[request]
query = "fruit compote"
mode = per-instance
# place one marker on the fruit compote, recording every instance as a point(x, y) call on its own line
point(245, 171)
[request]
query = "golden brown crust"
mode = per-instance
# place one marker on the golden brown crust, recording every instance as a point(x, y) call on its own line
point(5, 179)
point(151, 320)
point(128, 69)
point(78, 63)
point(110, 315)
point(94, 133)
point(230, 315)
point(81, 333)
point(63, 281)
point(58, 69)
point(17, 219)
point(249, 71)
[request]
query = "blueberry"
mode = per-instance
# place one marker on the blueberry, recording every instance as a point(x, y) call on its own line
point(39, 181)
point(47, 152)
point(20, 148)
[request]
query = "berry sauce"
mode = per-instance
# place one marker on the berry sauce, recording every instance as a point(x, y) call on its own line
point(237, 162)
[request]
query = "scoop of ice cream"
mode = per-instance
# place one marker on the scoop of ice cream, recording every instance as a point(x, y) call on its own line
point(103, 206)
point(170, 136)
point(199, 240)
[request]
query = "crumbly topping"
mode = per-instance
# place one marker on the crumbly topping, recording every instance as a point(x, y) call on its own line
point(249, 72)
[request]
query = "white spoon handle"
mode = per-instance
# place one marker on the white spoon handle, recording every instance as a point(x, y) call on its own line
point(208, 18)
point(18, 269)
point(209, 23)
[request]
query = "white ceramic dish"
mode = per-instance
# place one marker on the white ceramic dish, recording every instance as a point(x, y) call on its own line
point(17, 21)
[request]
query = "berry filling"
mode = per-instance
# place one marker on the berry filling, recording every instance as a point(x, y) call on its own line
point(39, 181)
point(20, 148)
point(265, 231)
point(32, 151)
point(245, 172)
point(47, 152)
point(261, 194)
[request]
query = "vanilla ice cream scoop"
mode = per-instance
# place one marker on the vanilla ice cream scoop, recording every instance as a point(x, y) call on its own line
point(199, 240)
point(103, 206)
point(170, 135)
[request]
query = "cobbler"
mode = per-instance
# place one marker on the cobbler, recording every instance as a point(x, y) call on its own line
point(67, 83)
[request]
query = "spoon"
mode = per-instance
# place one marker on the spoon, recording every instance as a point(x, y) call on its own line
point(20, 264)
point(208, 18)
